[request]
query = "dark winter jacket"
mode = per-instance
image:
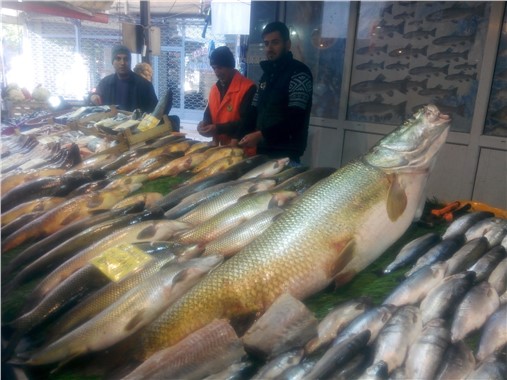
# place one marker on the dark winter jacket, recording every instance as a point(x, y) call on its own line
point(141, 93)
point(282, 107)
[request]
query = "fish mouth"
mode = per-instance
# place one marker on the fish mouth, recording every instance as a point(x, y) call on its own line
point(413, 146)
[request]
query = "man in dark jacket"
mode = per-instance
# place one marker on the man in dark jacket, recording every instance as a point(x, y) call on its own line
point(124, 88)
point(282, 105)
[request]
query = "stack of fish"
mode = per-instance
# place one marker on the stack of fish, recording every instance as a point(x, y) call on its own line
point(277, 231)
point(68, 234)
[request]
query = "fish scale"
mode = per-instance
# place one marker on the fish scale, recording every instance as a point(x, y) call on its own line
point(344, 221)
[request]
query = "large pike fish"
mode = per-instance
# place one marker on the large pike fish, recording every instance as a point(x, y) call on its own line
point(337, 227)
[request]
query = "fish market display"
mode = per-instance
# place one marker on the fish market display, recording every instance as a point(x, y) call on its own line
point(388, 183)
point(234, 248)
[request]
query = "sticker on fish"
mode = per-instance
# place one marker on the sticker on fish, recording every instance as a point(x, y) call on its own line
point(119, 261)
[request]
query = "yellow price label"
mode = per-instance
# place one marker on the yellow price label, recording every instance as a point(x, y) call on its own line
point(119, 261)
point(148, 122)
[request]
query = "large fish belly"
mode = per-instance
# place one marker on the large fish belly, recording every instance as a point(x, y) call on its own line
point(335, 221)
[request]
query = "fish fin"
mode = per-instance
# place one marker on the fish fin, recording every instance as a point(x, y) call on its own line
point(70, 218)
point(343, 278)
point(135, 321)
point(147, 232)
point(182, 275)
point(396, 199)
point(345, 249)
point(95, 201)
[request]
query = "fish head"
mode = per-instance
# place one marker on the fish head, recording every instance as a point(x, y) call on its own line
point(414, 145)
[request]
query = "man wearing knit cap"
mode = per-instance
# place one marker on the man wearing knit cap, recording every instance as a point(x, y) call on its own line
point(125, 89)
point(229, 100)
point(278, 124)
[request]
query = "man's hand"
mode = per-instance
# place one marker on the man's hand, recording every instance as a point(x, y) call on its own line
point(96, 99)
point(206, 130)
point(251, 140)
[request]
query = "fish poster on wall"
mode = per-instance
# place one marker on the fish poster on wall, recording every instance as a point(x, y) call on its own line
point(408, 54)
point(496, 119)
point(318, 36)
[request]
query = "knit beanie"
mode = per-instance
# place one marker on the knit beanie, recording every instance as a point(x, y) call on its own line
point(222, 56)
point(120, 49)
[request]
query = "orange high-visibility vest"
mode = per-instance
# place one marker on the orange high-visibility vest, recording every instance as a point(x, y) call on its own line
point(227, 110)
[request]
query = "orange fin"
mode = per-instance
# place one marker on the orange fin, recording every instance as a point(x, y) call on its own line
point(396, 199)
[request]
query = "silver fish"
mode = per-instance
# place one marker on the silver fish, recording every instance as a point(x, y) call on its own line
point(335, 321)
point(484, 226)
point(457, 362)
point(372, 319)
point(241, 211)
point(144, 231)
point(494, 334)
point(101, 299)
point(460, 225)
point(298, 372)
point(193, 200)
point(397, 336)
point(234, 372)
point(426, 353)
point(377, 371)
point(488, 262)
point(134, 310)
point(467, 255)
point(440, 252)
point(279, 364)
point(496, 234)
point(466, 319)
point(411, 251)
point(490, 368)
point(267, 169)
point(440, 300)
point(236, 239)
point(498, 277)
point(339, 354)
point(415, 287)
point(207, 210)
point(354, 367)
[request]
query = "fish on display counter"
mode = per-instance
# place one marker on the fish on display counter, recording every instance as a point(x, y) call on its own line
point(494, 334)
point(204, 352)
point(426, 353)
point(132, 311)
point(396, 337)
point(413, 250)
point(66, 213)
point(338, 223)
point(333, 231)
point(466, 319)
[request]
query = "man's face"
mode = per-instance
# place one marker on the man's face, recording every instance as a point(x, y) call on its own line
point(121, 64)
point(274, 46)
point(224, 74)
